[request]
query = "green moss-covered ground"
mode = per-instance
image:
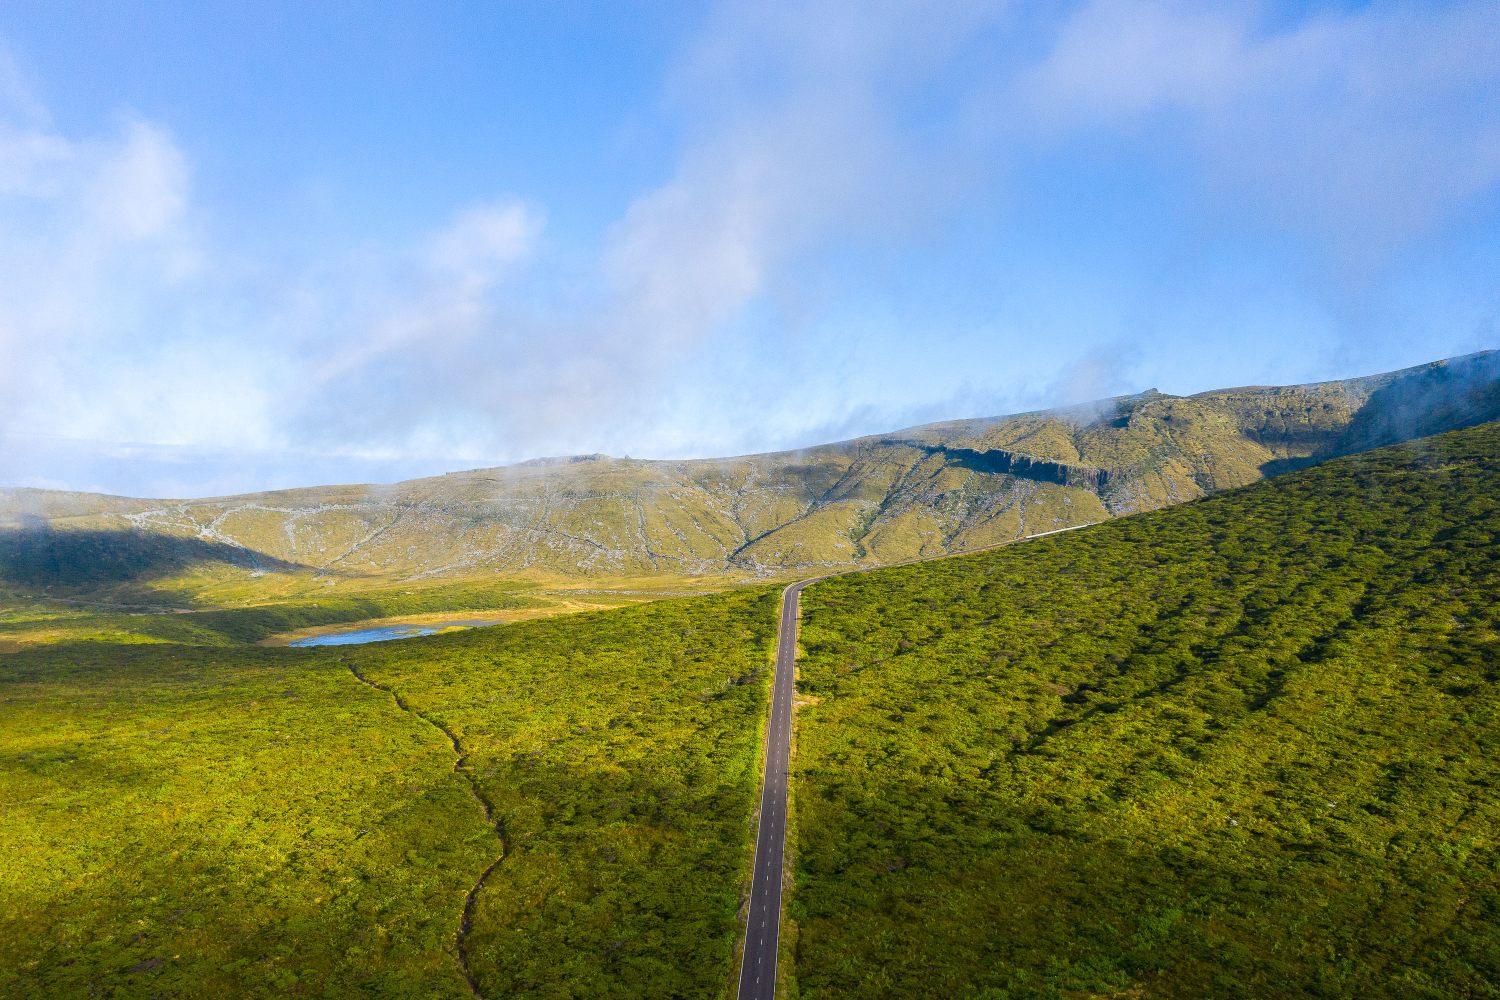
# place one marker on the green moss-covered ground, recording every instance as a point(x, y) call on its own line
point(199, 821)
point(1244, 747)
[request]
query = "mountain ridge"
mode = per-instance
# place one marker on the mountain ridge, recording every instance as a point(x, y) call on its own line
point(878, 499)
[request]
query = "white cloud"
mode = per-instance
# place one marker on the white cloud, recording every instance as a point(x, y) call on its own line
point(138, 187)
point(18, 100)
point(1101, 372)
point(92, 230)
point(795, 114)
point(419, 310)
point(1362, 129)
point(29, 162)
point(1115, 57)
point(484, 240)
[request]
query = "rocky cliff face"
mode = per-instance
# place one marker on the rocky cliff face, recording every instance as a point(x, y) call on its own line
point(924, 491)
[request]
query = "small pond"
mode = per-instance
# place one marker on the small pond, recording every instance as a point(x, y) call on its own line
point(384, 632)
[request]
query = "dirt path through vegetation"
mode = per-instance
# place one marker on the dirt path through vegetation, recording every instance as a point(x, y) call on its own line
point(466, 921)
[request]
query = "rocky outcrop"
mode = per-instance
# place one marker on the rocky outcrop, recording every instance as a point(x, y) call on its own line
point(999, 462)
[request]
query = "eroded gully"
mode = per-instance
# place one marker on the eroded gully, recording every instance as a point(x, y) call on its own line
point(466, 921)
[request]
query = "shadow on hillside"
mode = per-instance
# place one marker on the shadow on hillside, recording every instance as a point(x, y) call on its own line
point(1309, 439)
point(1461, 393)
point(39, 555)
point(1000, 462)
point(1277, 466)
point(1061, 912)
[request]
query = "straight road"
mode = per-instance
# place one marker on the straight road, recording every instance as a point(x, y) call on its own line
point(763, 928)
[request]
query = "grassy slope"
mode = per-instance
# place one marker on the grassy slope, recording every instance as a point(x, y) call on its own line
point(188, 823)
point(1241, 747)
point(202, 822)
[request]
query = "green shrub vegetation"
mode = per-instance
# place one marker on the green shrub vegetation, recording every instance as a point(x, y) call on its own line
point(1243, 747)
point(185, 823)
point(199, 821)
point(621, 749)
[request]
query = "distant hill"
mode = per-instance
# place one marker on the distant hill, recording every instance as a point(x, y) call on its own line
point(881, 499)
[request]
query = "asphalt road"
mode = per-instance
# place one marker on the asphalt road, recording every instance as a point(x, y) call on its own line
point(763, 927)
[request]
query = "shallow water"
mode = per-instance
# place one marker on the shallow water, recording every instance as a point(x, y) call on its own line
point(383, 633)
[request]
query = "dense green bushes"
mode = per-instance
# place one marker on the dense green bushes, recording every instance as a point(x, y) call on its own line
point(1242, 747)
point(620, 750)
point(184, 822)
point(206, 822)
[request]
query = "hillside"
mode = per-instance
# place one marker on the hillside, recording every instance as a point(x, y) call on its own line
point(1242, 747)
point(877, 500)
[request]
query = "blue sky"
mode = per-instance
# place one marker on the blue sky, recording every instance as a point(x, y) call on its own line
point(257, 246)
